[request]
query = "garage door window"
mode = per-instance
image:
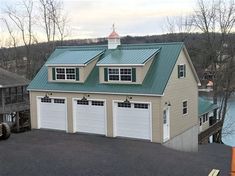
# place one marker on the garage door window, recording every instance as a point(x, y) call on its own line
point(45, 100)
point(124, 105)
point(97, 103)
point(60, 101)
point(83, 102)
point(141, 106)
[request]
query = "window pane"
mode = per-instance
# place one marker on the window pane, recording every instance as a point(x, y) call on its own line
point(125, 78)
point(114, 77)
point(97, 103)
point(45, 100)
point(60, 76)
point(185, 111)
point(71, 76)
point(83, 102)
point(141, 105)
point(60, 70)
point(70, 70)
point(126, 71)
point(124, 105)
point(60, 101)
point(113, 71)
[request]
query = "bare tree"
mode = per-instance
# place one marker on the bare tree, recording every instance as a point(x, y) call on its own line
point(13, 38)
point(54, 21)
point(215, 18)
point(179, 25)
point(23, 22)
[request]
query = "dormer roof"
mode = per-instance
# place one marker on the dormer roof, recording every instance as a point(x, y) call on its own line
point(128, 56)
point(75, 57)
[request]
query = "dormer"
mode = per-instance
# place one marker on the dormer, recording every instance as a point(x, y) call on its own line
point(126, 65)
point(113, 39)
point(72, 65)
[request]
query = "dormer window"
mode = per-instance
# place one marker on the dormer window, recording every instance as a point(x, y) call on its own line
point(120, 74)
point(67, 74)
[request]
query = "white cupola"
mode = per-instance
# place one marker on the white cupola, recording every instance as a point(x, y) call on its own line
point(113, 39)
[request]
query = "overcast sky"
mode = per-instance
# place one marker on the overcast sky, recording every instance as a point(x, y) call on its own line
point(94, 18)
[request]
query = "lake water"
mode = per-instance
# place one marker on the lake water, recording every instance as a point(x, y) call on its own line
point(228, 132)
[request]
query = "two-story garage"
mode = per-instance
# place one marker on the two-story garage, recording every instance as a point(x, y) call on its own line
point(144, 91)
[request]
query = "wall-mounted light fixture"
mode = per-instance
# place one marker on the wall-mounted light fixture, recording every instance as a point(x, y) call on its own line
point(47, 95)
point(84, 97)
point(128, 98)
point(168, 103)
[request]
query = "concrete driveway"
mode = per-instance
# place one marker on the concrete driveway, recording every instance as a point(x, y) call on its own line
point(42, 153)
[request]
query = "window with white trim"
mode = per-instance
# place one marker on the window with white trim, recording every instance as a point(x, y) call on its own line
point(59, 101)
point(82, 102)
point(200, 123)
point(181, 71)
point(120, 74)
point(205, 117)
point(46, 100)
point(185, 107)
point(141, 106)
point(65, 73)
point(97, 103)
point(124, 105)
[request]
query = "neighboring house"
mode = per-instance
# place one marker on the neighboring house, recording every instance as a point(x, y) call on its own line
point(206, 113)
point(144, 91)
point(14, 100)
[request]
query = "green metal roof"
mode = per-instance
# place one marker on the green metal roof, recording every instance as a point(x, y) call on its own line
point(77, 57)
point(153, 84)
point(205, 106)
point(125, 56)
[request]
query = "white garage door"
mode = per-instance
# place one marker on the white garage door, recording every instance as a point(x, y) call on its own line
point(90, 116)
point(132, 120)
point(52, 113)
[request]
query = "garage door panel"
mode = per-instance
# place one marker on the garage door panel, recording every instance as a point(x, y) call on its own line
point(52, 115)
point(132, 120)
point(90, 118)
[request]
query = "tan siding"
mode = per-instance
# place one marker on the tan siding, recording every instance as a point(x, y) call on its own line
point(178, 90)
point(146, 68)
point(155, 102)
point(88, 68)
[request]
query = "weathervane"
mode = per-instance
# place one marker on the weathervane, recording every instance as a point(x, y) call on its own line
point(113, 27)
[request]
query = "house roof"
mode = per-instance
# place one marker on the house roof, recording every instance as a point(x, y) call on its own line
point(205, 106)
point(154, 83)
point(128, 56)
point(75, 57)
point(9, 79)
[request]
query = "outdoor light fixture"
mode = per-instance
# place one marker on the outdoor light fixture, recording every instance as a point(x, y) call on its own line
point(127, 101)
point(46, 95)
point(84, 98)
point(168, 104)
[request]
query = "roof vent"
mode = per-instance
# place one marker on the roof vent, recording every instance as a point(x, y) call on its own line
point(113, 39)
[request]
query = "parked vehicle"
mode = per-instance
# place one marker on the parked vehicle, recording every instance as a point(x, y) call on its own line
point(5, 131)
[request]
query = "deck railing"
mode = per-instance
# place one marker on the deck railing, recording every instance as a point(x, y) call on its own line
point(204, 135)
